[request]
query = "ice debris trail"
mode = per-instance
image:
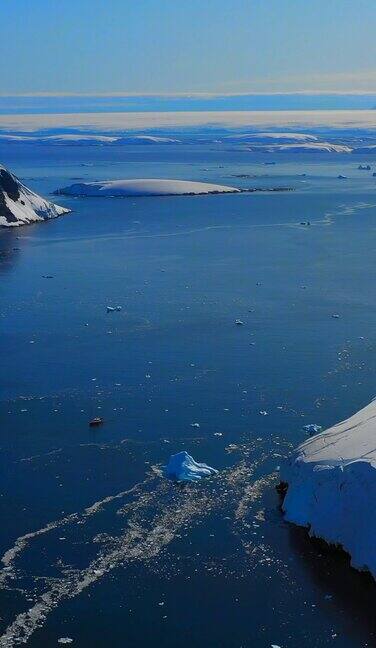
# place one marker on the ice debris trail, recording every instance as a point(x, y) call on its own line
point(22, 542)
point(153, 513)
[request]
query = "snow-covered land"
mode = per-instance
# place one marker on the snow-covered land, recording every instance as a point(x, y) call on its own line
point(331, 481)
point(275, 138)
point(143, 187)
point(306, 147)
point(78, 139)
point(148, 139)
point(20, 206)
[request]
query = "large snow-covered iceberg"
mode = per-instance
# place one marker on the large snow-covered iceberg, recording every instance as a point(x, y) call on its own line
point(183, 467)
point(143, 187)
point(19, 205)
point(331, 487)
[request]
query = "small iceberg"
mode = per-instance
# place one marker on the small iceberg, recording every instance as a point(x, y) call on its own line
point(312, 428)
point(182, 467)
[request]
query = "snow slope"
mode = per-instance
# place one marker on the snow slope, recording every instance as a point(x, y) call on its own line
point(74, 138)
point(332, 487)
point(126, 121)
point(143, 187)
point(20, 206)
point(275, 138)
point(77, 139)
point(306, 147)
point(148, 139)
point(83, 139)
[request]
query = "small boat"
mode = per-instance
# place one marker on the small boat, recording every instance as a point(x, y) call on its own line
point(95, 422)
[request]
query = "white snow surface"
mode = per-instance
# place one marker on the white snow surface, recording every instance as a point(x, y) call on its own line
point(306, 147)
point(282, 137)
point(125, 121)
point(81, 138)
point(332, 487)
point(148, 139)
point(144, 187)
point(28, 208)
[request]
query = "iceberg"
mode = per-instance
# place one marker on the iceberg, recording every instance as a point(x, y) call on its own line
point(330, 487)
point(20, 206)
point(312, 428)
point(182, 467)
point(143, 187)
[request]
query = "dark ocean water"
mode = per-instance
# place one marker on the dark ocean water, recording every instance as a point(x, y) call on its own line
point(153, 563)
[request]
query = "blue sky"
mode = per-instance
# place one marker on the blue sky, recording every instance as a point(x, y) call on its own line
point(171, 46)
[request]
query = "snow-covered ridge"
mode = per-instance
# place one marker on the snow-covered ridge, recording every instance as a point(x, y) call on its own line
point(147, 139)
point(20, 206)
point(331, 490)
point(77, 139)
point(306, 147)
point(144, 187)
point(275, 138)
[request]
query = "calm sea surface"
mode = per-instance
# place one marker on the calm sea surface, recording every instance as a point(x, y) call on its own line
point(100, 547)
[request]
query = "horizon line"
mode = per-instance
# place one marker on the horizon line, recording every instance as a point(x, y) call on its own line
point(191, 95)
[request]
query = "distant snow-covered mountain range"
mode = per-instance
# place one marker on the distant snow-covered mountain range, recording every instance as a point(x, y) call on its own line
point(253, 141)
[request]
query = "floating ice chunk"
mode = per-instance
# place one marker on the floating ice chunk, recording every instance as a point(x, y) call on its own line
point(239, 322)
point(183, 467)
point(65, 640)
point(312, 428)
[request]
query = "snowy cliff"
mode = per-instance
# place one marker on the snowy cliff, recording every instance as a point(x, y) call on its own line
point(331, 487)
point(20, 206)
